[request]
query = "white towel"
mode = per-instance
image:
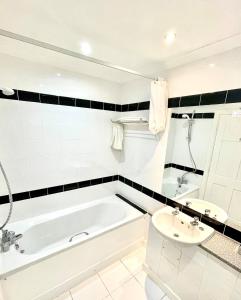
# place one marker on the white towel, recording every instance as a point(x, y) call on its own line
point(158, 106)
point(117, 136)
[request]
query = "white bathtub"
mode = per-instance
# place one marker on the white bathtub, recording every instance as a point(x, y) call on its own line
point(170, 189)
point(54, 237)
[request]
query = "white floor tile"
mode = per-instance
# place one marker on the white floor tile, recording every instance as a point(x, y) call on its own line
point(114, 276)
point(64, 296)
point(152, 290)
point(141, 278)
point(135, 260)
point(90, 289)
point(129, 291)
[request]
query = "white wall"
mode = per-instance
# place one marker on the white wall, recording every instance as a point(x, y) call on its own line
point(25, 75)
point(199, 77)
point(45, 145)
point(177, 151)
point(135, 91)
point(51, 203)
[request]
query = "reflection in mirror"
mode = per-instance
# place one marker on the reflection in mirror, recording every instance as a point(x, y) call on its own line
point(203, 161)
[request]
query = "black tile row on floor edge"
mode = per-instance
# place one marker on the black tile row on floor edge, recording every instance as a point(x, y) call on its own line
point(218, 226)
point(184, 168)
point(220, 97)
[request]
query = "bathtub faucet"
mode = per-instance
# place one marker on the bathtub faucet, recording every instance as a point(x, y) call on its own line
point(181, 180)
point(8, 238)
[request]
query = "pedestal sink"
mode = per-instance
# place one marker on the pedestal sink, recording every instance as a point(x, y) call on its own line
point(180, 228)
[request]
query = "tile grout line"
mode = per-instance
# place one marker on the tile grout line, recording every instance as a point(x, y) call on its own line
point(70, 295)
point(104, 284)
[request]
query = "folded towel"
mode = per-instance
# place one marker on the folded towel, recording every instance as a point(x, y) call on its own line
point(158, 106)
point(117, 136)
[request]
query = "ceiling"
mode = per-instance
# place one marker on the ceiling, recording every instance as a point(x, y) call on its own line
point(126, 33)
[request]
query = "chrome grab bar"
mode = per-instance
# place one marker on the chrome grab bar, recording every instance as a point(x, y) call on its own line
point(72, 237)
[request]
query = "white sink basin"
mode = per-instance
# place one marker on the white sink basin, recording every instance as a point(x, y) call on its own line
point(178, 228)
point(200, 205)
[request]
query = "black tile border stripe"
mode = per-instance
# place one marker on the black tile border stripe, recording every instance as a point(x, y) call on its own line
point(219, 97)
point(218, 226)
point(209, 115)
point(184, 168)
point(58, 189)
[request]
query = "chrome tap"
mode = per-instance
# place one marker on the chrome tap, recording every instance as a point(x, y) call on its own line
point(8, 238)
point(176, 211)
point(195, 221)
point(181, 180)
point(188, 203)
point(207, 212)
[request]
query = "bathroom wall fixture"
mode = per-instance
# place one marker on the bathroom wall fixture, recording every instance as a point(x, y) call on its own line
point(130, 120)
point(7, 91)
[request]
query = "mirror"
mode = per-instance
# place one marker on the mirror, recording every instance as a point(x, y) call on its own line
point(203, 161)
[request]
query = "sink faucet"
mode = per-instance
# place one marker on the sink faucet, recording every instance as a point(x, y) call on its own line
point(195, 221)
point(8, 238)
point(188, 203)
point(207, 212)
point(176, 211)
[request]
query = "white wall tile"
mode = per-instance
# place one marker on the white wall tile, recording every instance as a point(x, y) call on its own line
point(41, 205)
point(46, 145)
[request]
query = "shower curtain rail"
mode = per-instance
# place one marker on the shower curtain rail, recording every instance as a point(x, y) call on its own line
point(67, 52)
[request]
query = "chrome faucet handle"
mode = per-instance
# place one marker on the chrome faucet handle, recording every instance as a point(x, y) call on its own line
point(176, 211)
point(188, 203)
point(8, 238)
point(195, 221)
point(207, 212)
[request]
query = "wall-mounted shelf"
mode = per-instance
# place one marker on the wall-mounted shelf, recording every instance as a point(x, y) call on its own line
point(131, 120)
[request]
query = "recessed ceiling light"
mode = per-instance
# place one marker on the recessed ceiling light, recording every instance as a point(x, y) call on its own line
point(85, 48)
point(211, 65)
point(58, 74)
point(170, 37)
